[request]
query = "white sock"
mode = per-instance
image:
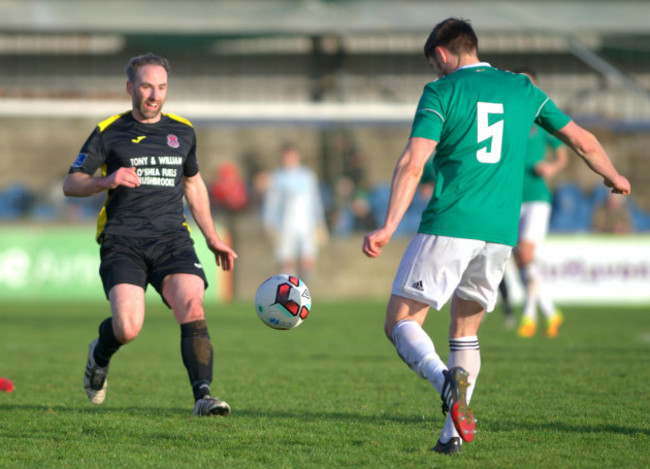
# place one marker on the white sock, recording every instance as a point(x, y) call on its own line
point(530, 280)
point(546, 304)
point(465, 352)
point(416, 348)
point(449, 431)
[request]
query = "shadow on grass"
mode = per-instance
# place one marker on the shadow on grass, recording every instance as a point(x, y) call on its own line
point(502, 425)
point(505, 425)
point(168, 412)
point(98, 410)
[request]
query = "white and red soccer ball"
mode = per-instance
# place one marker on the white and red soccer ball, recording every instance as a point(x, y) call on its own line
point(283, 301)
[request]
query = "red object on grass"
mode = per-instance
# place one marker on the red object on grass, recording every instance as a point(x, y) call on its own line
point(6, 385)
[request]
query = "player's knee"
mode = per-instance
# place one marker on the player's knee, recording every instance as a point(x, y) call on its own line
point(388, 329)
point(125, 333)
point(394, 314)
point(192, 310)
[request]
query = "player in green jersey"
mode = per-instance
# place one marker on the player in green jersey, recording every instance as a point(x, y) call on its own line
point(147, 160)
point(533, 225)
point(476, 119)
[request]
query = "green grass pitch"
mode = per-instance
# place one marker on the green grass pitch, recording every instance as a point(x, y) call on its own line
point(332, 393)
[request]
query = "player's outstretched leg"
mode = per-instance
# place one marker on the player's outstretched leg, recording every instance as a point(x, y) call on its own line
point(209, 405)
point(453, 446)
point(454, 401)
point(95, 382)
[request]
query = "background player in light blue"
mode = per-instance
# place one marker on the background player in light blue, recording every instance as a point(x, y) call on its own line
point(293, 214)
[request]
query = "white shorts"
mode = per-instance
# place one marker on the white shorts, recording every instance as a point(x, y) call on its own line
point(533, 221)
point(294, 245)
point(435, 267)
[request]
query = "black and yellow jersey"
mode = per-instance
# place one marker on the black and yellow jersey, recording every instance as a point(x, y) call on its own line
point(162, 153)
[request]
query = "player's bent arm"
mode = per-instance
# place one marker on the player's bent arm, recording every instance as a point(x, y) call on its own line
point(587, 146)
point(198, 201)
point(82, 185)
point(406, 177)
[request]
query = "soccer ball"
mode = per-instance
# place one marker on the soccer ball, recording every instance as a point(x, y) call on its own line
point(283, 301)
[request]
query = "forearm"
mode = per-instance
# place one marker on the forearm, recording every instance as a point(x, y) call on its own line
point(597, 159)
point(198, 202)
point(406, 177)
point(82, 185)
point(587, 146)
point(205, 222)
point(403, 186)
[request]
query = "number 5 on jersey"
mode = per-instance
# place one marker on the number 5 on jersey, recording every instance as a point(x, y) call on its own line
point(486, 131)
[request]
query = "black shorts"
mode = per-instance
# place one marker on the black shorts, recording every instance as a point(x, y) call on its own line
point(140, 261)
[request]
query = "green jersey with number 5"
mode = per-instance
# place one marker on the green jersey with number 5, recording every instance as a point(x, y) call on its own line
point(481, 117)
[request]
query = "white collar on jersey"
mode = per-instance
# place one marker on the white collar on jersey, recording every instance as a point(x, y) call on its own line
point(480, 64)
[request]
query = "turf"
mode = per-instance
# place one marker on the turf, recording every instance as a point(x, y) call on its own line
point(332, 393)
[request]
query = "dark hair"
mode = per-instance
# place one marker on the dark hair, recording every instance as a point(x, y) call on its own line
point(288, 146)
point(146, 59)
point(455, 34)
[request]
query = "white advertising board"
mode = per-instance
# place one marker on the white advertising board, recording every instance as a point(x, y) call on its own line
point(592, 269)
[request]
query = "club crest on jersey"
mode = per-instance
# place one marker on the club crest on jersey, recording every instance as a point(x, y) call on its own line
point(172, 141)
point(81, 157)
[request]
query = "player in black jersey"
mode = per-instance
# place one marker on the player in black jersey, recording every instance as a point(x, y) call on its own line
point(148, 162)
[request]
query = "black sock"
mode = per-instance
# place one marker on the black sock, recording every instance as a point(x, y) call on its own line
point(107, 344)
point(197, 353)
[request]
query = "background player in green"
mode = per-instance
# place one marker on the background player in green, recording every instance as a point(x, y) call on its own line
point(148, 163)
point(533, 225)
point(476, 119)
